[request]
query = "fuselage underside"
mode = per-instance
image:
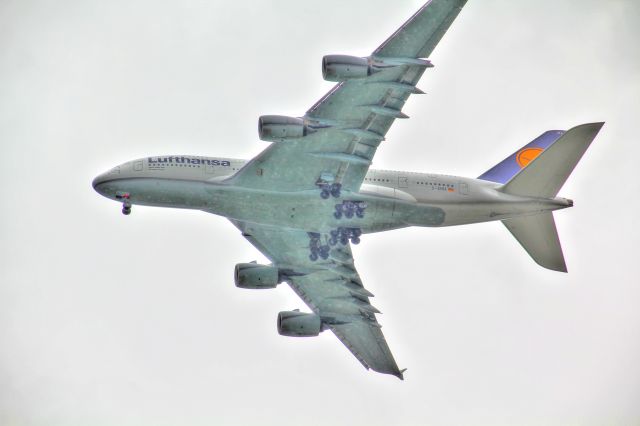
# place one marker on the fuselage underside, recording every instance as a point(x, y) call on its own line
point(391, 199)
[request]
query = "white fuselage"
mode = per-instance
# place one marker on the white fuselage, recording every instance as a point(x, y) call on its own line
point(394, 199)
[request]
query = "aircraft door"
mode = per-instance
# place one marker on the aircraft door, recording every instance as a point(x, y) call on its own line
point(209, 170)
point(403, 182)
point(463, 188)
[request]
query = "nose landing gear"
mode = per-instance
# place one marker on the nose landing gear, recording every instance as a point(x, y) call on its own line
point(126, 202)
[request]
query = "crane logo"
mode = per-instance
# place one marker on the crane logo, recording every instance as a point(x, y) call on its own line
point(527, 155)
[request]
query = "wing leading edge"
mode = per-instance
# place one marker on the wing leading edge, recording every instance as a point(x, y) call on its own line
point(346, 126)
point(420, 35)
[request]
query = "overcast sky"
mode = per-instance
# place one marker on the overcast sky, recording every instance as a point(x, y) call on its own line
point(113, 320)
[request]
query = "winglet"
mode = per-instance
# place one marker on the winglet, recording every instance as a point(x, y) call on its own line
point(400, 374)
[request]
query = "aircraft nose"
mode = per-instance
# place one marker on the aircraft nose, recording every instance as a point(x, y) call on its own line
point(97, 181)
point(100, 182)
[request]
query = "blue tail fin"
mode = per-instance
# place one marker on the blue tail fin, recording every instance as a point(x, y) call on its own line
point(504, 171)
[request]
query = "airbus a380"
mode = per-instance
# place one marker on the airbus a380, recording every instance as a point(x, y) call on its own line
point(311, 193)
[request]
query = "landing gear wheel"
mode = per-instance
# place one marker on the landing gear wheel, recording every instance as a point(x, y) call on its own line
point(313, 257)
point(126, 205)
point(348, 214)
point(335, 190)
point(355, 240)
point(325, 194)
point(337, 215)
point(324, 253)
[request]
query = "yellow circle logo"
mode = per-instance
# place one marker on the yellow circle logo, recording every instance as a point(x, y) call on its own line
point(527, 155)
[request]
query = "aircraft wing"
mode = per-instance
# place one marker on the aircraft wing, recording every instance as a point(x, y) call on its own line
point(348, 124)
point(331, 288)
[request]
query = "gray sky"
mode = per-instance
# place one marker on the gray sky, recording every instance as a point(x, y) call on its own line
point(113, 320)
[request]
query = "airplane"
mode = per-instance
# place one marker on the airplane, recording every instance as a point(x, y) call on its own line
point(311, 194)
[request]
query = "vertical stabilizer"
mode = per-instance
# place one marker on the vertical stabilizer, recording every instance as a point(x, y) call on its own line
point(511, 166)
point(547, 172)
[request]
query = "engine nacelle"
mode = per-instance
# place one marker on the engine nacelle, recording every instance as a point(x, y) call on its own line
point(342, 68)
point(298, 324)
point(278, 128)
point(254, 276)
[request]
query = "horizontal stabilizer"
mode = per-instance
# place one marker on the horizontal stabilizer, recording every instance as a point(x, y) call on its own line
point(538, 235)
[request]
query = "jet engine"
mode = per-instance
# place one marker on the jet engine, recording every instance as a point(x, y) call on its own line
point(299, 324)
point(254, 276)
point(278, 128)
point(342, 68)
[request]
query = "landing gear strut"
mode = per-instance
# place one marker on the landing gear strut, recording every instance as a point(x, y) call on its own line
point(328, 186)
point(126, 202)
point(335, 189)
point(318, 250)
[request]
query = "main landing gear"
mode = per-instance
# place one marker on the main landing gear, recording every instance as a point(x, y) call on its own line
point(318, 250)
point(328, 185)
point(344, 235)
point(350, 208)
point(126, 202)
point(320, 247)
point(329, 190)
